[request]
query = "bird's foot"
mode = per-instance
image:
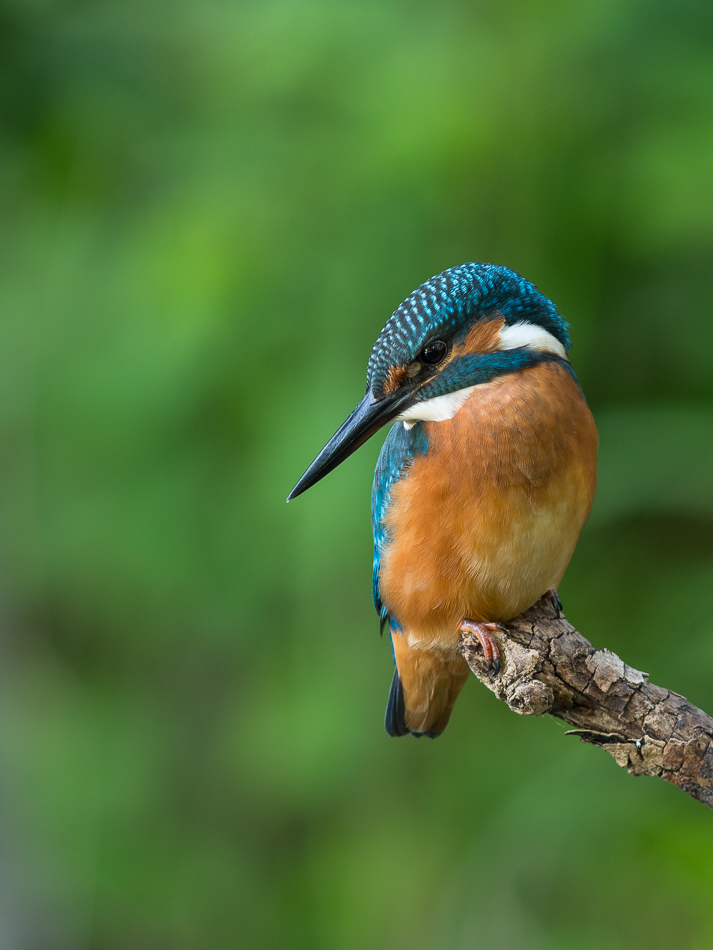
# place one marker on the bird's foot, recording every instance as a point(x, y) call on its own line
point(491, 651)
point(551, 598)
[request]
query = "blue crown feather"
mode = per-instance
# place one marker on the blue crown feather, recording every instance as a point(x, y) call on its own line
point(450, 303)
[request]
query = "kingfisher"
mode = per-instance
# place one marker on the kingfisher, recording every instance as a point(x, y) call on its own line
point(484, 481)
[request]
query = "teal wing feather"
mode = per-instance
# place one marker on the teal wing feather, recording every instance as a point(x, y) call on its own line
point(401, 446)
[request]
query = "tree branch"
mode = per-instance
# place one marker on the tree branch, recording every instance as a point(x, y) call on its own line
point(548, 667)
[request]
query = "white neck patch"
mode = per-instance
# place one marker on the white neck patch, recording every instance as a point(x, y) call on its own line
point(442, 408)
point(531, 336)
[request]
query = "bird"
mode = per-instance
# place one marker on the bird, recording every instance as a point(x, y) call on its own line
point(483, 483)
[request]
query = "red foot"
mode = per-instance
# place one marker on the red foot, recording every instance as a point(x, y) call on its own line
point(552, 598)
point(490, 647)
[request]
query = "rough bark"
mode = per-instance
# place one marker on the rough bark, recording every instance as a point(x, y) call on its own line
point(548, 667)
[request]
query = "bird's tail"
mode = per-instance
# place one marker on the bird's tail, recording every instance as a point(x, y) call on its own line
point(423, 691)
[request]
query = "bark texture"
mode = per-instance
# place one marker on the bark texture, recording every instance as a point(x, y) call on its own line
point(548, 667)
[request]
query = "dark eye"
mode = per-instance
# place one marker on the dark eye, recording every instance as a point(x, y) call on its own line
point(433, 352)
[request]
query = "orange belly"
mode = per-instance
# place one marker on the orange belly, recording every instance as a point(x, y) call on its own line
point(487, 520)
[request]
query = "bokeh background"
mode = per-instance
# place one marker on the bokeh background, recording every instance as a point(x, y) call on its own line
point(209, 209)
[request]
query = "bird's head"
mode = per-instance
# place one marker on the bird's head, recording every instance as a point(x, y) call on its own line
point(460, 329)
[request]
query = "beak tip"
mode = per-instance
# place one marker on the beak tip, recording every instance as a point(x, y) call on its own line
point(368, 416)
point(297, 490)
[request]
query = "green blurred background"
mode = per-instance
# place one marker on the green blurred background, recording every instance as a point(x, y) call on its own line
point(209, 209)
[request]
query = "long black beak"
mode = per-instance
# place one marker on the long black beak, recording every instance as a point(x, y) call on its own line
point(368, 417)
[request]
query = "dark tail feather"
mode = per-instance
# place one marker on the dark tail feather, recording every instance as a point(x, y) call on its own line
point(395, 720)
point(423, 691)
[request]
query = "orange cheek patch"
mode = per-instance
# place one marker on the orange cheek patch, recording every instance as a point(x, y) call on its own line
point(396, 376)
point(483, 337)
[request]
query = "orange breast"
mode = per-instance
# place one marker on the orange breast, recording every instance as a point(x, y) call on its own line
point(487, 520)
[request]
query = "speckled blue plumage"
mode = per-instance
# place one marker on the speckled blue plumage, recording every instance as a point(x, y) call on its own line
point(445, 307)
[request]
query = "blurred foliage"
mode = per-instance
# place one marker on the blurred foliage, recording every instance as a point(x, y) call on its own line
point(210, 208)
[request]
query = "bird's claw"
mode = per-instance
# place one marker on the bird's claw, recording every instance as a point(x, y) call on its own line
point(551, 597)
point(491, 650)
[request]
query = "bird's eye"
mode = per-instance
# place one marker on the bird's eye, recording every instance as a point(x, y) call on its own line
point(433, 352)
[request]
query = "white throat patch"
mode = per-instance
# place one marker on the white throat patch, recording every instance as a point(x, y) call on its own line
point(437, 409)
point(442, 408)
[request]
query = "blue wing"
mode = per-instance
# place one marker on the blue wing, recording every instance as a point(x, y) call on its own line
point(400, 447)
